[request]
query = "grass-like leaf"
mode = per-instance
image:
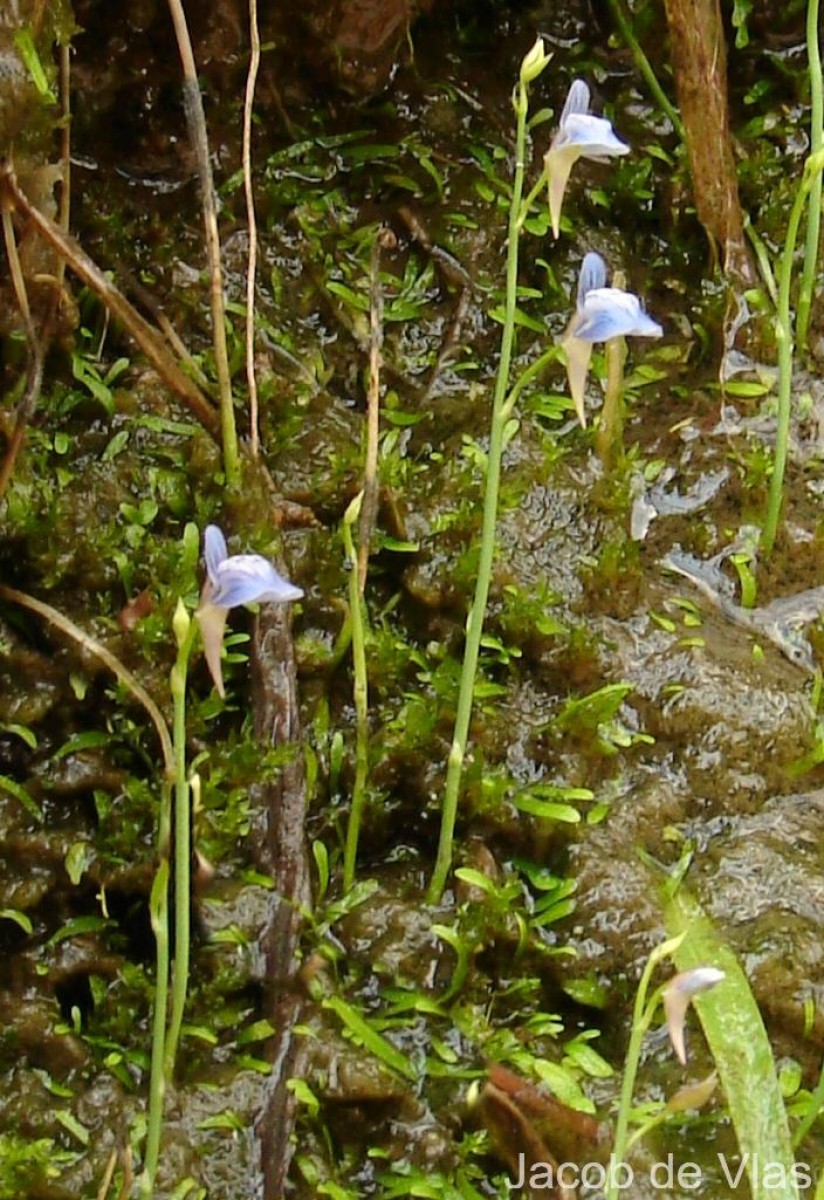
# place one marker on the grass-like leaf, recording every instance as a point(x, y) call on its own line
point(369, 1037)
point(738, 1041)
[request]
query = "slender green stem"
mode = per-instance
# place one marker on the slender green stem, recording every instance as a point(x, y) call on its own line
point(527, 375)
point(185, 631)
point(644, 66)
point(814, 1107)
point(784, 338)
point(475, 623)
point(159, 912)
point(358, 623)
point(805, 293)
point(762, 257)
point(539, 186)
point(159, 899)
point(642, 1015)
point(609, 436)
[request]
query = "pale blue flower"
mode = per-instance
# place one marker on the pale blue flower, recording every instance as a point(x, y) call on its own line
point(607, 312)
point(232, 580)
point(601, 313)
point(580, 135)
point(241, 578)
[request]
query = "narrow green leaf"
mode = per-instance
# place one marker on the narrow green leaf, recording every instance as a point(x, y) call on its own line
point(20, 918)
point(71, 1123)
point(24, 41)
point(19, 792)
point(549, 810)
point(23, 732)
point(91, 740)
point(258, 1031)
point(76, 927)
point(78, 857)
point(369, 1038)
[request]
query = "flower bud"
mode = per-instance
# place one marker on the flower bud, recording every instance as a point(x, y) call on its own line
point(534, 62)
point(181, 622)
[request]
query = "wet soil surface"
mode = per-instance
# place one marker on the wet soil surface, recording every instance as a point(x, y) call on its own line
point(640, 700)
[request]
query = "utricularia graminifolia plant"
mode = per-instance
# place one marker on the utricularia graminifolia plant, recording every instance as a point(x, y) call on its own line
point(231, 581)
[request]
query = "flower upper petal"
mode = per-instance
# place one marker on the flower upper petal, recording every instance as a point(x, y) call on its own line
point(577, 101)
point(215, 550)
point(593, 275)
point(249, 579)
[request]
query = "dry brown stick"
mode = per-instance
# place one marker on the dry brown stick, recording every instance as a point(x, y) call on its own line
point(251, 78)
point(91, 646)
point(64, 210)
point(196, 122)
point(132, 285)
point(108, 1175)
point(147, 338)
point(369, 505)
point(25, 410)
point(34, 380)
point(453, 274)
point(278, 835)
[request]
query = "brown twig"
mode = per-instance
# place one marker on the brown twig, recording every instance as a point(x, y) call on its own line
point(369, 505)
point(34, 379)
point(147, 338)
point(279, 803)
point(196, 122)
point(251, 78)
point(454, 275)
point(64, 210)
point(91, 646)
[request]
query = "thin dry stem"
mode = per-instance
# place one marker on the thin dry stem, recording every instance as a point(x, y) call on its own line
point(108, 1175)
point(64, 209)
point(16, 270)
point(34, 379)
point(147, 338)
point(91, 646)
point(196, 122)
point(251, 221)
point(369, 506)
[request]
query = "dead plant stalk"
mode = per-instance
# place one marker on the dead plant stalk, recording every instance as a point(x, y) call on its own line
point(196, 122)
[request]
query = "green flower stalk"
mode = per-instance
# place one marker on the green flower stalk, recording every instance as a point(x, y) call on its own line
point(358, 624)
point(159, 914)
point(805, 291)
point(531, 67)
point(676, 997)
point(813, 168)
point(185, 631)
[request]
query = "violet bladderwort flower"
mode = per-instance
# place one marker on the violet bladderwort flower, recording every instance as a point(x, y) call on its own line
point(601, 313)
point(580, 135)
point(232, 580)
